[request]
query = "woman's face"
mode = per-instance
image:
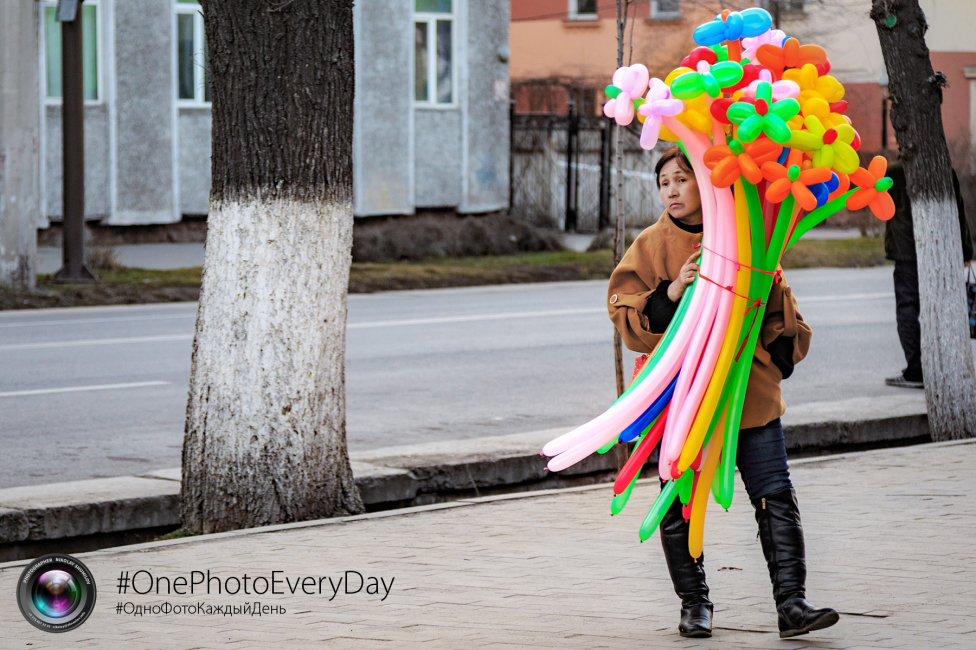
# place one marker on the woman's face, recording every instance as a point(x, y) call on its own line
point(679, 191)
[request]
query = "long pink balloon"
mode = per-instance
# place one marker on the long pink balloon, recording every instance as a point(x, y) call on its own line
point(695, 144)
point(716, 337)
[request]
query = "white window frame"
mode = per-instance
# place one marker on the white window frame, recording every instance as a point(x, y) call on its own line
point(431, 19)
point(657, 14)
point(99, 65)
point(574, 13)
point(199, 39)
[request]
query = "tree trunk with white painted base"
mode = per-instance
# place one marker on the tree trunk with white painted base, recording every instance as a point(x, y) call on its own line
point(265, 429)
point(916, 98)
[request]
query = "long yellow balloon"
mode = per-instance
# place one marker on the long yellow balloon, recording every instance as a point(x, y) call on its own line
point(696, 529)
point(699, 428)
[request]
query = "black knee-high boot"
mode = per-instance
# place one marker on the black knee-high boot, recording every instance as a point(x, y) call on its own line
point(781, 534)
point(687, 575)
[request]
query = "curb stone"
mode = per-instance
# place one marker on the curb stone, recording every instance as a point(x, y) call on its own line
point(397, 477)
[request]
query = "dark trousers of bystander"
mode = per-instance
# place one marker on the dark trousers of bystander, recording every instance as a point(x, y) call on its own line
point(906, 316)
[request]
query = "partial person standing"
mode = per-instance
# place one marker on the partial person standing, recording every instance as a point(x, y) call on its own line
point(899, 246)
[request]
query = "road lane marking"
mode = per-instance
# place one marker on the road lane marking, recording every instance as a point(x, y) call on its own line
point(476, 317)
point(67, 344)
point(407, 322)
point(75, 389)
point(852, 296)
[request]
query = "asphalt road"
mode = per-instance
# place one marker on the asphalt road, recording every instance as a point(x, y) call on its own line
point(89, 392)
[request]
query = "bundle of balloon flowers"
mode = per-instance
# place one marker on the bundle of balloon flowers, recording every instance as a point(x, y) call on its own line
point(762, 123)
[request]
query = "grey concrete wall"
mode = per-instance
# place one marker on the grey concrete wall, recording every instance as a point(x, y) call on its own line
point(145, 116)
point(97, 198)
point(194, 137)
point(486, 128)
point(19, 148)
point(437, 157)
point(382, 147)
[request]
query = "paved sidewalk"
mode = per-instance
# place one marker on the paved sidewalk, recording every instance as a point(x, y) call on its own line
point(889, 544)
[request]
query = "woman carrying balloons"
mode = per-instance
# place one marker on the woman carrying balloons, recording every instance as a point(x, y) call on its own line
point(766, 153)
point(643, 296)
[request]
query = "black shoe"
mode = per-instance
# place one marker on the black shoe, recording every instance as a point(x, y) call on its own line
point(696, 621)
point(687, 574)
point(797, 616)
point(781, 534)
point(901, 382)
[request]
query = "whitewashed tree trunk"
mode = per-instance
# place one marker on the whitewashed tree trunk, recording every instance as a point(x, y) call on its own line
point(265, 435)
point(916, 94)
point(947, 360)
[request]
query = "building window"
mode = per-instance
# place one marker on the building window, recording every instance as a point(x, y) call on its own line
point(434, 53)
point(192, 75)
point(90, 54)
point(665, 9)
point(582, 9)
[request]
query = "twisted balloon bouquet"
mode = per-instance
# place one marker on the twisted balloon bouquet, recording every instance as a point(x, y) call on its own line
point(763, 125)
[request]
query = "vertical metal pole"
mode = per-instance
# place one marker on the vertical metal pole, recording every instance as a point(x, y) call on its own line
point(570, 220)
point(576, 168)
point(73, 267)
point(604, 220)
point(511, 156)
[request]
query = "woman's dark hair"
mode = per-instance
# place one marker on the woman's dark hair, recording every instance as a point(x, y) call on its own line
point(674, 153)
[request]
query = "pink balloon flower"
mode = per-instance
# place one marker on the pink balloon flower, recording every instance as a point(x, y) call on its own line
point(751, 45)
point(631, 83)
point(781, 89)
point(656, 106)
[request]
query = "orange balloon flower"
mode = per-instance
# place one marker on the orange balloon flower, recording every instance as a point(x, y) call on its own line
point(872, 190)
point(791, 55)
point(784, 181)
point(728, 162)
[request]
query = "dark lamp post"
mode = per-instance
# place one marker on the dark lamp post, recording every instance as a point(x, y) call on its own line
point(73, 269)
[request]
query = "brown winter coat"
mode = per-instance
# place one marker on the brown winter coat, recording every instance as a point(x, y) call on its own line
point(657, 255)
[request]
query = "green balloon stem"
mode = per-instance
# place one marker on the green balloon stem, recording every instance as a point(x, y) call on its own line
point(658, 510)
point(620, 500)
point(817, 216)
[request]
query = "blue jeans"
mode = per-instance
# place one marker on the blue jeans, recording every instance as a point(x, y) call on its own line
point(761, 459)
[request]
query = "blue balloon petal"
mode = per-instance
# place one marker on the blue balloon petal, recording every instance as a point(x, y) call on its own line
point(783, 155)
point(637, 426)
point(755, 21)
point(833, 183)
point(711, 33)
point(733, 27)
point(819, 190)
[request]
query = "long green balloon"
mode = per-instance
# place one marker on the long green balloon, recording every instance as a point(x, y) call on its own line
point(818, 215)
point(620, 500)
point(662, 503)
